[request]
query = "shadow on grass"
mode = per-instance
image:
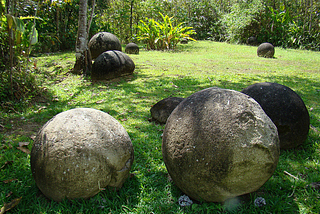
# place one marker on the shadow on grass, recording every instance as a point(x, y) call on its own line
point(148, 180)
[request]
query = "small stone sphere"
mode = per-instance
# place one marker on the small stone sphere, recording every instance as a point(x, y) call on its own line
point(265, 50)
point(162, 109)
point(103, 41)
point(286, 109)
point(112, 64)
point(80, 152)
point(219, 144)
point(132, 48)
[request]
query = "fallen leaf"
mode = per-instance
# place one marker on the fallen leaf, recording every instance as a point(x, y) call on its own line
point(6, 163)
point(8, 206)
point(124, 119)
point(100, 101)
point(10, 180)
point(21, 144)
point(9, 194)
point(25, 150)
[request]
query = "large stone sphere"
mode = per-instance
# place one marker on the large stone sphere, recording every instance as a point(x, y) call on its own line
point(112, 64)
point(219, 144)
point(132, 48)
point(79, 152)
point(103, 41)
point(286, 109)
point(162, 109)
point(265, 50)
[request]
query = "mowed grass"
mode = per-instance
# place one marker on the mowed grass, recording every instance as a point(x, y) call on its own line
point(158, 75)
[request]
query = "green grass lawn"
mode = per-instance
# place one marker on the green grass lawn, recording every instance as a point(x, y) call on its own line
point(159, 75)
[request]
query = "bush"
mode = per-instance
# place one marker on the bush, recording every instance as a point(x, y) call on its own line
point(164, 35)
point(242, 21)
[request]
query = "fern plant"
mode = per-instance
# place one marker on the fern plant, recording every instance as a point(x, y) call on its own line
point(163, 35)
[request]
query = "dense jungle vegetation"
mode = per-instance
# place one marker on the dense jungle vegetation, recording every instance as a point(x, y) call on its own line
point(32, 27)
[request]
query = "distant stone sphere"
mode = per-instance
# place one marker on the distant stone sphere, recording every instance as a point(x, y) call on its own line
point(162, 109)
point(112, 64)
point(266, 50)
point(103, 41)
point(219, 144)
point(79, 152)
point(286, 109)
point(132, 48)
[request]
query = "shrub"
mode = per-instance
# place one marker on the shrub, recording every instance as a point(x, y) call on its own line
point(162, 35)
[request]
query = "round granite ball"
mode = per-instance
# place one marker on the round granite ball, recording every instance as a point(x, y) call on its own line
point(219, 144)
point(265, 50)
point(286, 109)
point(103, 41)
point(79, 152)
point(132, 48)
point(112, 64)
point(162, 109)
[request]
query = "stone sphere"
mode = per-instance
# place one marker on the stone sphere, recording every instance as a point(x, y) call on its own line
point(112, 64)
point(132, 48)
point(252, 40)
point(79, 152)
point(162, 109)
point(219, 144)
point(286, 109)
point(265, 50)
point(103, 41)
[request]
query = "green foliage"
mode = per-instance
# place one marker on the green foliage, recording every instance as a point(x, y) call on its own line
point(162, 35)
point(242, 21)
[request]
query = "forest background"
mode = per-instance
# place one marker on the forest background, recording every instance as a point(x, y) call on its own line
point(33, 27)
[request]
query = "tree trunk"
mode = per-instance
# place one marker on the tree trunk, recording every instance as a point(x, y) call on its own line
point(83, 59)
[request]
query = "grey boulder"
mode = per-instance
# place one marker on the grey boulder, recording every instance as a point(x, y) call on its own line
point(80, 152)
point(219, 144)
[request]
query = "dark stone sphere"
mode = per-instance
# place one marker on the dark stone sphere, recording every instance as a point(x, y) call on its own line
point(184, 41)
point(102, 42)
point(286, 109)
point(265, 50)
point(132, 48)
point(252, 41)
point(162, 109)
point(112, 64)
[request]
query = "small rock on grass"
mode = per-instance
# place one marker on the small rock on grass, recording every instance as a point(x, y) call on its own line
point(260, 202)
point(185, 201)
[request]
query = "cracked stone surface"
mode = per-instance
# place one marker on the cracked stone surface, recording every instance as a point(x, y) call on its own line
point(79, 152)
point(219, 144)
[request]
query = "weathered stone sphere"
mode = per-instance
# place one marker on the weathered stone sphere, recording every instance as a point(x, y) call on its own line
point(265, 50)
point(79, 152)
point(103, 41)
point(112, 64)
point(286, 109)
point(219, 144)
point(252, 40)
point(162, 109)
point(132, 48)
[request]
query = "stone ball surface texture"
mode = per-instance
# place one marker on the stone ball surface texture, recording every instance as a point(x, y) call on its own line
point(103, 41)
point(79, 152)
point(219, 144)
point(286, 109)
point(112, 64)
point(162, 109)
point(265, 50)
point(132, 48)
